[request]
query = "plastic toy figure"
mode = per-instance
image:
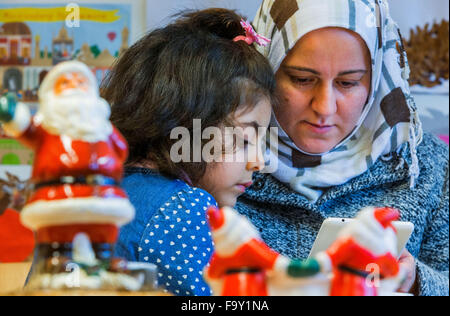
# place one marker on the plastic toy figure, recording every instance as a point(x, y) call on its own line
point(366, 245)
point(243, 265)
point(78, 165)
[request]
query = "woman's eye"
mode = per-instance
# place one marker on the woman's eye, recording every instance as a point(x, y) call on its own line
point(348, 84)
point(302, 81)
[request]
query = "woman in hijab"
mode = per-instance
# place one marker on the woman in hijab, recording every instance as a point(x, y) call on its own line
point(348, 135)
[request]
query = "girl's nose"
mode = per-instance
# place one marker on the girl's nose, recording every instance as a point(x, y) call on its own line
point(324, 100)
point(257, 164)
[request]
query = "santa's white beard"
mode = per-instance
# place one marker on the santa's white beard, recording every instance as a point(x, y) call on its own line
point(78, 116)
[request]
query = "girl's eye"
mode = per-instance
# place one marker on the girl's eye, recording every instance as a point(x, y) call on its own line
point(248, 143)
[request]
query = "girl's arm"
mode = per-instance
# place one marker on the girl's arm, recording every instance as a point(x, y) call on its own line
point(177, 239)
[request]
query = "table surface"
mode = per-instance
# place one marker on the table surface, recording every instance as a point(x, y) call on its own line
point(13, 276)
point(85, 293)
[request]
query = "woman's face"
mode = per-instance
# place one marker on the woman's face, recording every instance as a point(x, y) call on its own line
point(229, 179)
point(324, 83)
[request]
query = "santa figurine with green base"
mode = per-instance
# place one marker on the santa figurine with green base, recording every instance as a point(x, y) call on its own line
point(78, 167)
point(243, 265)
point(363, 259)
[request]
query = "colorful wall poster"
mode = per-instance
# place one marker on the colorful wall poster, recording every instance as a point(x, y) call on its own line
point(37, 35)
point(34, 37)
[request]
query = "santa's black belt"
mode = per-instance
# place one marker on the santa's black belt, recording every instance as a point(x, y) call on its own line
point(86, 180)
point(360, 273)
point(243, 270)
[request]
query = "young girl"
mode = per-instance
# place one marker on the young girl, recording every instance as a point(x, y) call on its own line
point(200, 69)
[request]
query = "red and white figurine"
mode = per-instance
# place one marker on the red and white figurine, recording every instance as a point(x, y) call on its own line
point(364, 255)
point(243, 265)
point(79, 157)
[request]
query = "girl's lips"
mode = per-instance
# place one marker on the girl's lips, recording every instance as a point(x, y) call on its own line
point(243, 186)
point(248, 184)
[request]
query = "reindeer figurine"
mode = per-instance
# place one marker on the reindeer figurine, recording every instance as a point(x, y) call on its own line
point(13, 193)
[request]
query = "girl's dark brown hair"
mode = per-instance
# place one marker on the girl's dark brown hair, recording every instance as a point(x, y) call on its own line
point(190, 69)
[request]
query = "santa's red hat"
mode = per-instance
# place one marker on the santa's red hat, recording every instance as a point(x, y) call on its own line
point(386, 215)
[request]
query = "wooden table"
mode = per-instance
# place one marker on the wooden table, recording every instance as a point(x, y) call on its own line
point(13, 276)
point(85, 293)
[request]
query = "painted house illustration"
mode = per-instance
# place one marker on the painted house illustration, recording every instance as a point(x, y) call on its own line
point(62, 47)
point(22, 72)
point(15, 44)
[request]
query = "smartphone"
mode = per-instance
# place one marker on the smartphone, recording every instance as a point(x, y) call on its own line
point(331, 227)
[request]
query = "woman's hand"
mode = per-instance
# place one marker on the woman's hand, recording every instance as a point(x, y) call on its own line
point(408, 265)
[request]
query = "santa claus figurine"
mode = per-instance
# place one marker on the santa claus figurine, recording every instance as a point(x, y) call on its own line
point(243, 265)
point(79, 158)
point(365, 247)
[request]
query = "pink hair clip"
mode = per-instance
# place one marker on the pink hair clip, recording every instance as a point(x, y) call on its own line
point(251, 36)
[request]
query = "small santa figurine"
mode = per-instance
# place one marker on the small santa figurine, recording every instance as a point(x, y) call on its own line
point(79, 158)
point(243, 265)
point(366, 245)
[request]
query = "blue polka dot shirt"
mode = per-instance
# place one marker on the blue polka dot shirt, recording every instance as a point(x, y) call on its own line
point(170, 230)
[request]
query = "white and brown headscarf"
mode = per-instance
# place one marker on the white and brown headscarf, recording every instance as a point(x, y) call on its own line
point(389, 119)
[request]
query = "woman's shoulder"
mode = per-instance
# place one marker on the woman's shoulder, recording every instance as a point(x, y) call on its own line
point(432, 150)
point(433, 156)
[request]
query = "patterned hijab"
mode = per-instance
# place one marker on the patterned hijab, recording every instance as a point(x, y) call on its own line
point(389, 119)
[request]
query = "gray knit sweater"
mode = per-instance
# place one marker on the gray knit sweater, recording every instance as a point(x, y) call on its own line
point(289, 223)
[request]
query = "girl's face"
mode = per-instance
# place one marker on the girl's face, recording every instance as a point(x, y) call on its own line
point(324, 83)
point(228, 179)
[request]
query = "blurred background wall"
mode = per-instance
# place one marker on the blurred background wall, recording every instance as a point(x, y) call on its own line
point(159, 12)
point(408, 13)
